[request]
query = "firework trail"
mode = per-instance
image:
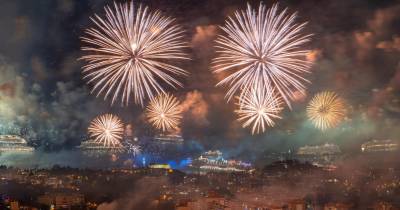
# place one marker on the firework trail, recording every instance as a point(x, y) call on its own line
point(258, 108)
point(326, 110)
point(107, 129)
point(164, 112)
point(129, 51)
point(263, 49)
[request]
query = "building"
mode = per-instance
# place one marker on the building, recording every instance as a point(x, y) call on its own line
point(53, 182)
point(14, 205)
point(160, 166)
point(380, 146)
point(210, 202)
point(14, 143)
point(62, 201)
point(337, 206)
point(383, 206)
point(297, 205)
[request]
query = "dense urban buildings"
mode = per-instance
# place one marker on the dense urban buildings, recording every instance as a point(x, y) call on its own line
point(288, 184)
point(315, 177)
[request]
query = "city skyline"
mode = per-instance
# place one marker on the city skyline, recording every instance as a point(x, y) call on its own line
point(300, 93)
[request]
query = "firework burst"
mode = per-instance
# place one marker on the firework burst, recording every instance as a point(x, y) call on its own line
point(107, 129)
point(164, 112)
point(133, 149)
point(259, 107)
point(326, 110)
point(129, 51)
point(263, 47)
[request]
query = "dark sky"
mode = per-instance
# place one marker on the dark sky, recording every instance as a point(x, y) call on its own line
point(355, 45)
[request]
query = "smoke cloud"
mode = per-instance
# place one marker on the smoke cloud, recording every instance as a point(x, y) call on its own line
point(145, 190)
point(25, 110)
point(195, 108)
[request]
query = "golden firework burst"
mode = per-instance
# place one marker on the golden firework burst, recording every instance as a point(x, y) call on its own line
point(164, 112)
point(326, 110)
point(258, 107)
point(107, 129)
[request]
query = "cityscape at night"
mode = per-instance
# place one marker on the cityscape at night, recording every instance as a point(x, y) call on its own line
point(199, 105)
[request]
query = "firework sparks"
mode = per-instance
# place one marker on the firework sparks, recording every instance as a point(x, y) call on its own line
point(129, 50)
point(107, 129)
point(133, 149)
point(263, 47)
point(164, 112)
point(326, 110)
point(259, 107)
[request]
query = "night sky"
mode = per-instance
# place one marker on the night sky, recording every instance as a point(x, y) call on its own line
point(355, 47)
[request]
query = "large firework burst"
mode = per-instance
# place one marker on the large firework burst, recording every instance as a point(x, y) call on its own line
point(326, 110)
point(107, 129)
point(130, 50)
point(263, 47)
point(259, 107)
point(164, 112)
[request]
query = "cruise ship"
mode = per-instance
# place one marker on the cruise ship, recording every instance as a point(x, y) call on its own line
point(213, 161)
point(93, 148)
point(319, 155)
point(14, 143)
point(169, 139)
point(325, 149)
point(380, 146)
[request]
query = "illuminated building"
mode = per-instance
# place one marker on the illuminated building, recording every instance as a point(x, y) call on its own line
point(297, 204)
point(212, 201)
point(319, 155)
point(62, 201)
point(14, 143)
point(213, 161)
point(380, 146)
point(383, 206)
point(14, 205)
point(160, 166)
point(337, 206)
